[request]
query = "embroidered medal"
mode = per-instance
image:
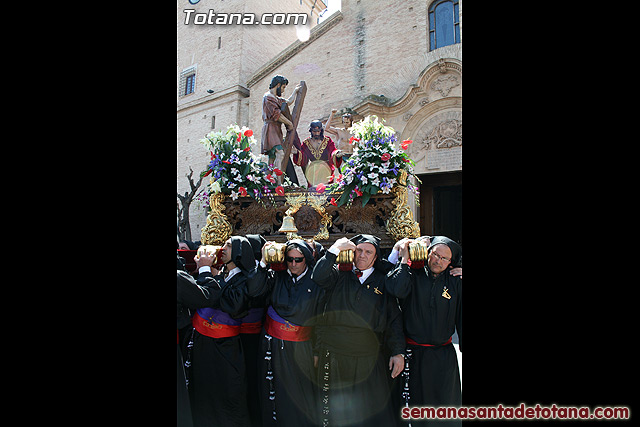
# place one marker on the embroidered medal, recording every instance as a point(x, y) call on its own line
point(445, 293)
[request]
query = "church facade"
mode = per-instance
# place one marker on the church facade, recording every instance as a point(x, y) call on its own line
point(398, 59)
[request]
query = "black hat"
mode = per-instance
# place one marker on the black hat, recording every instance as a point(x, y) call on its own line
point(242, 253)
point(456, 249)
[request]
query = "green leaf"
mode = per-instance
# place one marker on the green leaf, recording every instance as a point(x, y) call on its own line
point(345, 194)
point(365, 198)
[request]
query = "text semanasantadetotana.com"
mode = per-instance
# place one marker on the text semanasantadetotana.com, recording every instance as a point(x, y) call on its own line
point(521, 412)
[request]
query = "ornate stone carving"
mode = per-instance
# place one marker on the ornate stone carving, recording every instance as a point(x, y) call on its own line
point(446, 134)
point(444, 84)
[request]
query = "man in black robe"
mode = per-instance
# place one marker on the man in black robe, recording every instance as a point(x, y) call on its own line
point(431, 302)
point(250, 334)
point(358, 317)
point(184, 320)
point(215, 360)
point(288, 396)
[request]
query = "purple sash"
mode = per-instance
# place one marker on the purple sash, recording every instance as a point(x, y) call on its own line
point(218, 316)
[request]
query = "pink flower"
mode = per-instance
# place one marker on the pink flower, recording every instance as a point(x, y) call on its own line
point(333, 202)
point(405, 143)
point(248, 132)
point(280, 190)
point(277, 171)
point(320, 188)
point(242, 191)
point(385, 157)
point(271, 179)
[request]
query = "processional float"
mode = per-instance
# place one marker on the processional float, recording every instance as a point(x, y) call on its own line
point(368, 195)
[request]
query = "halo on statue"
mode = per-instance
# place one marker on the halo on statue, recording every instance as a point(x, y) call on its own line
point(317, 172)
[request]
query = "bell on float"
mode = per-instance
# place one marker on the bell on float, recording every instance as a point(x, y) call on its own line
point(288, 225)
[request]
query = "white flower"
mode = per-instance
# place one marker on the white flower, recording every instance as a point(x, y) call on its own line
point(234, 195)
point(376, 182)
point(364, 179)
point(231, 184)
point(372, 175)
point(233, 129)
point(386, 190)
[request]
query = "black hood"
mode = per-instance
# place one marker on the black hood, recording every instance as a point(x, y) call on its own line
point(257, 242)
point(242, 253)
point(320, 250)
point(303, 247)
point(379, 264)
point(456, 249)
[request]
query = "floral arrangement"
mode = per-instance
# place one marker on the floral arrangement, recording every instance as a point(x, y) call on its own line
point(376, 163)
point(235, 170)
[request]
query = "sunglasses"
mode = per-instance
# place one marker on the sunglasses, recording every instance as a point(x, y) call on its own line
point(296, 259)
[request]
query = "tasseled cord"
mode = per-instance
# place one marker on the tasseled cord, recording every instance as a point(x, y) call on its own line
point(325, 390)
point(187, 361)
point(405, 374)
point(269, 376)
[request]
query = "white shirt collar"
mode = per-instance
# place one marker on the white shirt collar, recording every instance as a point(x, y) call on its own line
point(232, 273)
point(300, 276)
point(365, 274)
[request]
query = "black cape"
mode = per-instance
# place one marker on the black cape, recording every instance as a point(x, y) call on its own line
point(355, 322)
point(429, 317)
point(216, 368)
point(287, 375)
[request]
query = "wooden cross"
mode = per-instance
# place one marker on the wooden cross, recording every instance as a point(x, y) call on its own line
point(295, 118)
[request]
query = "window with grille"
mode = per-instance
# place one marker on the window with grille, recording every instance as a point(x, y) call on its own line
point(191, 83)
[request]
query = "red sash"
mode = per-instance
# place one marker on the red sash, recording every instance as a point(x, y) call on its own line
point(214, 330)
point(287, 332)
point(251, 328)
point(412, 342)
